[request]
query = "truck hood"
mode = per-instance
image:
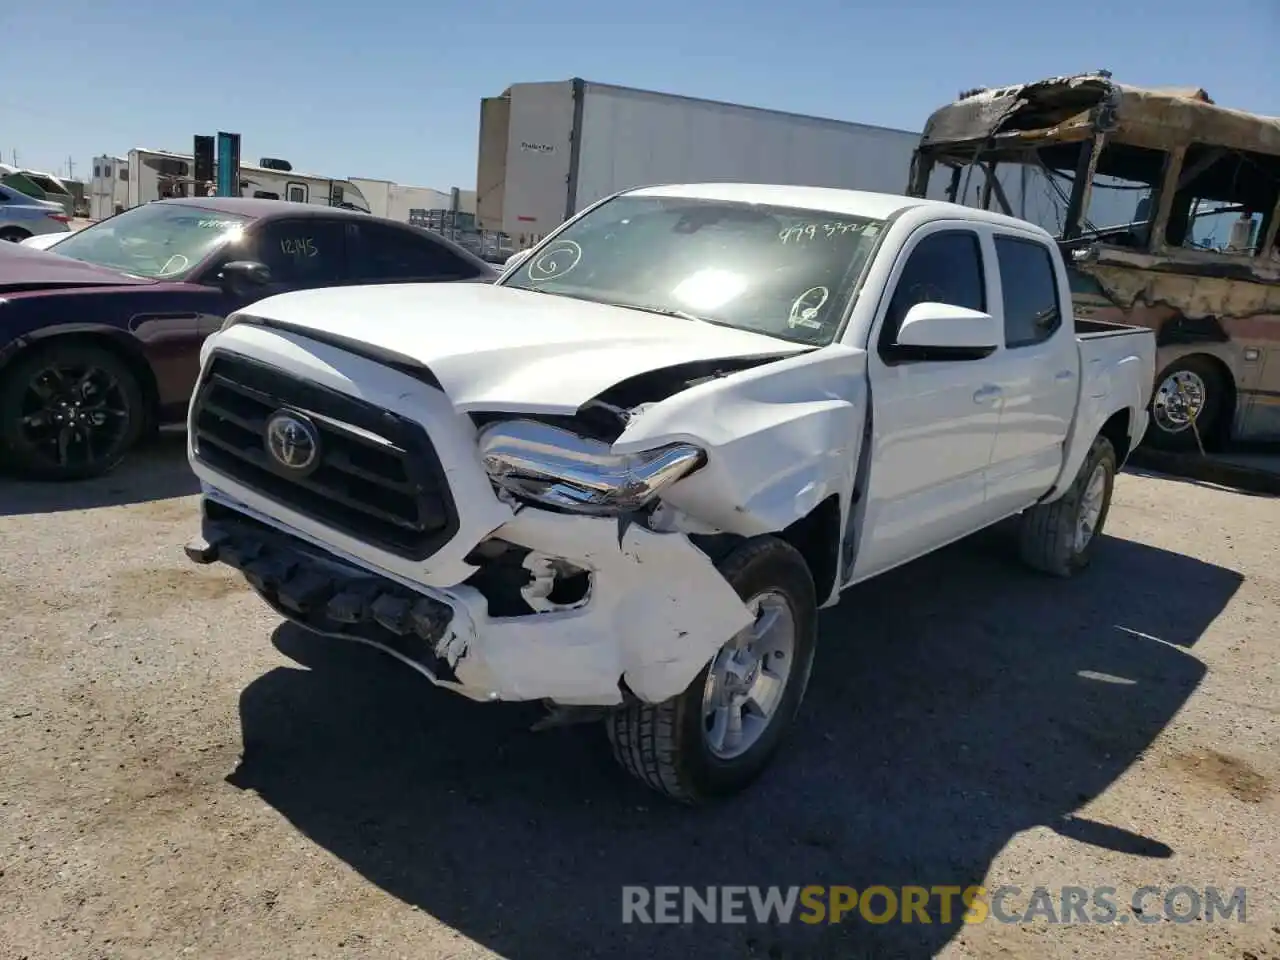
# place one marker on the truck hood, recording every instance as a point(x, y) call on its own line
point(502, 348)
point(29, 268)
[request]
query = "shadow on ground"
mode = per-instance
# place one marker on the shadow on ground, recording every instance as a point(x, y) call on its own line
point(955, 702)
point(156, 471)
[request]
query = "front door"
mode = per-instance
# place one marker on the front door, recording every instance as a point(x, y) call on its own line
point(934, 421)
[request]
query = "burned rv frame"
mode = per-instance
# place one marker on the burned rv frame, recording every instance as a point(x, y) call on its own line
point(1216, 311)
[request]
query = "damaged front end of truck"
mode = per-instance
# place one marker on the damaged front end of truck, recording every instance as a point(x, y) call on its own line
point(567, 558)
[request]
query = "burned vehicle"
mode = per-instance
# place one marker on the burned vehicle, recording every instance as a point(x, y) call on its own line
point(1165, 205)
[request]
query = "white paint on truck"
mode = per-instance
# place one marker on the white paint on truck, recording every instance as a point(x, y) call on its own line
point(711, 406)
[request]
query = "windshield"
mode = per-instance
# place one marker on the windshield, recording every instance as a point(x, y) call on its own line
point(784, 272)
point(156, 240)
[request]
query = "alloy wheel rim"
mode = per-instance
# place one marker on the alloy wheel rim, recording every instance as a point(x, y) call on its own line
point(748, 678)
point(73, 414)
point(1090, 507)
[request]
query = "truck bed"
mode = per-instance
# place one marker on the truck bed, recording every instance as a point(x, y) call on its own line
point(1093, 329)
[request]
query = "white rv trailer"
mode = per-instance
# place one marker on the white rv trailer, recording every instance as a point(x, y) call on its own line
point(159, 174)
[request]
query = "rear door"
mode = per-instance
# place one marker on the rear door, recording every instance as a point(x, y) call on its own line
point(1037, 372)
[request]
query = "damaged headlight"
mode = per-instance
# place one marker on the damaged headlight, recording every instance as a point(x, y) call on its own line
point(549, 465)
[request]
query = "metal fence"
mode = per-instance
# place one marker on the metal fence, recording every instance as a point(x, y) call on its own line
point(461, 228)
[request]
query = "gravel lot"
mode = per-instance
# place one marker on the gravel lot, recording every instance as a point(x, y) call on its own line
point(180, 775)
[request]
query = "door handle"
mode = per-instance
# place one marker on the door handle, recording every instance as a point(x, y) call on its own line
point(987, 393)
point(1065, 375)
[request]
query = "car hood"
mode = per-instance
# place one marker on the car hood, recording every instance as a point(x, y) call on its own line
point(502, 348)
point(29, 268)
point(43, 241)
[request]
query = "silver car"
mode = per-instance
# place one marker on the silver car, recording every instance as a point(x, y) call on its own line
point(22, 216)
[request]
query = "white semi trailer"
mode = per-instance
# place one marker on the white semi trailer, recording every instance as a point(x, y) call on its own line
point(547, 150)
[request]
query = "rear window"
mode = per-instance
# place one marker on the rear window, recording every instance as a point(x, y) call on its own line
point(1031, 310)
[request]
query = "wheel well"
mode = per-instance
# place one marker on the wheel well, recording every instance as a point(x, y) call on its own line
point(817, 537)
point(1226, 414)
point(12, 230)
point(1116, 429)
point(136, 363)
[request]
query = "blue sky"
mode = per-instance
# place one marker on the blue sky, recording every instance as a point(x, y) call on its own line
point(391, 88)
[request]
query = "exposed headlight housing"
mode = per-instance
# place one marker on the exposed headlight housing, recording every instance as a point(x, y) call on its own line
point(549, 465)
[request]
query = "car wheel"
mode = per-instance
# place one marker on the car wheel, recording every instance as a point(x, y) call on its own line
point(69, 411)
point(719, 734)
point(1058, 538)
point(1190, 389)
point(13, 234)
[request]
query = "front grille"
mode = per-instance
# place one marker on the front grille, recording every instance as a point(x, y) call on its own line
point(376, 475)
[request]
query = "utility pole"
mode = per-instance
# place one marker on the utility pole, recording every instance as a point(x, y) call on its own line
point(71, 168)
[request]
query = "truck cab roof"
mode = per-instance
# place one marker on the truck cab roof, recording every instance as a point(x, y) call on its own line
point(854, 203)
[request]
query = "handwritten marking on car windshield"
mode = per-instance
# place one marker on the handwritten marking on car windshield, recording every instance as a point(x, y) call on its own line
point(804, 311)
point(824, 231)
point(561, 257)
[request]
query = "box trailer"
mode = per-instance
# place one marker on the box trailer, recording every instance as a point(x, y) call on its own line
point(547, 150)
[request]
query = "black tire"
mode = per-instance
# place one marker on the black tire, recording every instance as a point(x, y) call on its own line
point(38, 460)
point(664, 745)
point(1208, 420)
point(13, 234)
point(1047, 532)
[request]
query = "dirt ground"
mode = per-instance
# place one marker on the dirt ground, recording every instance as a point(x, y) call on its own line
point(180, 775)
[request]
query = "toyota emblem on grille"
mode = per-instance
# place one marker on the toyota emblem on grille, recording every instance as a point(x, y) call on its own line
point(293, 441)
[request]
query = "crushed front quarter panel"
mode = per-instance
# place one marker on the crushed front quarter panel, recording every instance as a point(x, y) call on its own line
point(780, 439)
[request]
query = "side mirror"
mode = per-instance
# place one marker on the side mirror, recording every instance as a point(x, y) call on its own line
point(942, 331)
point(516, 259)
point(243, 275)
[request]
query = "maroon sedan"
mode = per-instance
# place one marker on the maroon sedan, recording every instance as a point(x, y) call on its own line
point(100, 336)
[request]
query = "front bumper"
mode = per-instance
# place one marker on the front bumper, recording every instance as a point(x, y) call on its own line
point(656, 613)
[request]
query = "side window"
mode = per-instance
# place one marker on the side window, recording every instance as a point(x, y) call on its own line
point(1224, 200)
point(304, 251)
point(944, 267)
point(1032, 313)
point(297, 192)
point(389, 255)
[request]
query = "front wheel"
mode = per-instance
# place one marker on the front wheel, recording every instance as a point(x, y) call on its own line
point(1058, 538)
point(719, 734)
point(69, 411)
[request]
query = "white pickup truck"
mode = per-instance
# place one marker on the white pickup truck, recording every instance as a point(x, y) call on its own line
point(624, 479)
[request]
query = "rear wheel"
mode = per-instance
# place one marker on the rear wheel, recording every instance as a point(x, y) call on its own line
point(69, 411)
point(13, 234)
point(1190, 389)
point(1058, 538)
point(719, 734)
